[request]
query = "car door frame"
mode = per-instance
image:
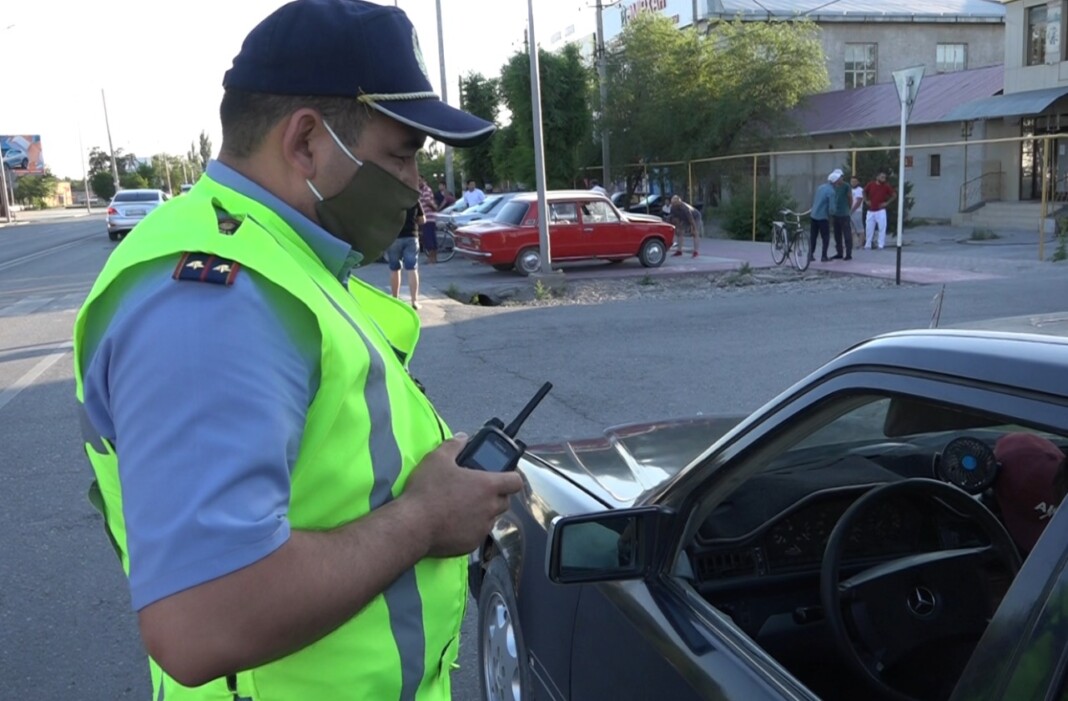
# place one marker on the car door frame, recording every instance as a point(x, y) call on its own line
point(604, 239)
point(695, 621)
point(565, 237)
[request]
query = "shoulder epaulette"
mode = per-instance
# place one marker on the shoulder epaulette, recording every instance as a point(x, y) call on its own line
point(204, 267)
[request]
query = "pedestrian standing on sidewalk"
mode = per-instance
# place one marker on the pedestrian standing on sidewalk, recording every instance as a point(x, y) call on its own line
point(685, 219)
point(856, 212)
point(878, 194)
point(822, 206)
point(404, 252)
point(843, 203)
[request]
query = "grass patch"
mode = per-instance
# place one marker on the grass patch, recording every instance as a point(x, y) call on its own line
point(744, 269)
point(1061, 252)
point(647, 281)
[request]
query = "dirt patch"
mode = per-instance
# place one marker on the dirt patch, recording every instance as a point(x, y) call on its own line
point(693, 286)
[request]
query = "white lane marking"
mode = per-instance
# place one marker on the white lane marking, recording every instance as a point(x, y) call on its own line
point(26, 380)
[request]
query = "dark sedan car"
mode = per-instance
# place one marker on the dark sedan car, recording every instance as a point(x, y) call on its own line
point(874, 532)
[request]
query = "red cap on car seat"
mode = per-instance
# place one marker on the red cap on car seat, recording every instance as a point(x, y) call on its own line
point(1026, 488)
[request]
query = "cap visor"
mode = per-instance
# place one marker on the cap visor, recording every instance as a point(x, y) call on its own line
point(439, 120)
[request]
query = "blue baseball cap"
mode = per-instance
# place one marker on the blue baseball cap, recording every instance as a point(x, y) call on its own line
point(350, 48)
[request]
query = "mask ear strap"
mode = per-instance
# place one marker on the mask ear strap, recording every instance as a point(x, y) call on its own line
point(341, 146)
point(314, 191)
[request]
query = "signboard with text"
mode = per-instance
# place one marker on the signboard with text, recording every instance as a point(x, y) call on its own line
point(617, 16)
point(22, 153)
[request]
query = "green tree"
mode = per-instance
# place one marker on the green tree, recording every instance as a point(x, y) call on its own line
point(677, 95)
point(431, 164)
point(479, 96)
point(133, 181)
point(204, 152)
point(33, 190)
point(566, 120)
point(102, 184)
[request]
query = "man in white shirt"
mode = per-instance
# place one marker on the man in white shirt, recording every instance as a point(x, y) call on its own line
point(598, 189)
point(472, 195)
point(856, 213)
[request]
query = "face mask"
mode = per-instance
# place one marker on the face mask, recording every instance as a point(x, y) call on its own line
point(369, 211)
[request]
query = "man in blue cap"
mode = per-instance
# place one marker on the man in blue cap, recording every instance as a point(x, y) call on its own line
point(282, 495)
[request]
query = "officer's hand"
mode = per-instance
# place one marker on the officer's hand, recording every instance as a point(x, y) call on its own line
point(459, 504)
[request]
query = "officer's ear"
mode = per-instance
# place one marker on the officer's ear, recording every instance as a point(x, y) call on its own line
point(304, 141)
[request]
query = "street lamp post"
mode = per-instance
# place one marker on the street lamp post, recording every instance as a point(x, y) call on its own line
point(449, 181)
point(539, 147)
point(3, 176)
point(111, 148)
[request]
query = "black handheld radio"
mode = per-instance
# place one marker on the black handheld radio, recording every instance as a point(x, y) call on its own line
point(494, 448)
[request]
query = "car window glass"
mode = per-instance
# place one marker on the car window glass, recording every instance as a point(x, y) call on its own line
point(511, 213)
point(849, 439)
point(598, 212)
point(563, 213)
point(134, 196)
point(487, 205)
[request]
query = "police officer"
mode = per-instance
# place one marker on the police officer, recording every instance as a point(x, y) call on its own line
point(283, 498)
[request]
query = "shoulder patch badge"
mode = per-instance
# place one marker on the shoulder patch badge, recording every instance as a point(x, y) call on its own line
point(204, 267)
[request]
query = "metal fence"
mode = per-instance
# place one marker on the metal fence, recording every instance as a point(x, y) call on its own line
point(955, 181)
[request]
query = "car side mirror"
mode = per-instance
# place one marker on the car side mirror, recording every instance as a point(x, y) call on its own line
point(605, 546)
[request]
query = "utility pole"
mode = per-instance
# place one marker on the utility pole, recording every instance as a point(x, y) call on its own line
point(111, 148)
point(602, 79)
point(3, 186)
point(539, 147)
point(449, 182)
point(85, 175)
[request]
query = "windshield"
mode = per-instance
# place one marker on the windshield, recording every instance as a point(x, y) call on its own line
point(488, 205)
point(512, 213)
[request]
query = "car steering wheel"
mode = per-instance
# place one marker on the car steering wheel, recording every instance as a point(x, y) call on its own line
point(881, 616)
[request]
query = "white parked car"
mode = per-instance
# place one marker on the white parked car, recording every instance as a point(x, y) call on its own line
point(129, 207)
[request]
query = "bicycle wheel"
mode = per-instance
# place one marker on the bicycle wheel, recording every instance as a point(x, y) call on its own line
point(778, 243)
point(446, 246)
point(799, 250)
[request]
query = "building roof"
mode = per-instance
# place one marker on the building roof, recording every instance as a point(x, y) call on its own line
point(1013, 105)
point(865, 10)
point(878, 107)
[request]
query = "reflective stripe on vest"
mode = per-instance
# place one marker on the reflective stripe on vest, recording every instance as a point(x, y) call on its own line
point(366, 429)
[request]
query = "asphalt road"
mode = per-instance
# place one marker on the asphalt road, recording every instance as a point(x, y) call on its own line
point(66, 630)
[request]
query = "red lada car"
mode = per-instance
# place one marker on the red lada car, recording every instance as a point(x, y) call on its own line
point(583, 225)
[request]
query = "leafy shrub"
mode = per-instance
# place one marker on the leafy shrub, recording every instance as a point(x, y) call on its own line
point(738, 212)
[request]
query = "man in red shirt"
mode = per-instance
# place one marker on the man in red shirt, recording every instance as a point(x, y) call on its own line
point(878, 194)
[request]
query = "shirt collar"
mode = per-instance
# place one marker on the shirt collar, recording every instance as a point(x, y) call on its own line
point(337, 256)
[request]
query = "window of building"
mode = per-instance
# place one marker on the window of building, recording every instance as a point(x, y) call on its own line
point(1036, 35)
point(951, 57)
point(860, 64)
point(936, 165)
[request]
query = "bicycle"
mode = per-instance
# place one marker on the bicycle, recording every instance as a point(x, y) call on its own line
point(446, 247)
point(788, 238)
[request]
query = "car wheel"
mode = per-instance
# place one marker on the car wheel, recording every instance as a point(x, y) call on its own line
point(528, 261)
point(653, 253)
point(502, 654)
point(25, 163)
point(113, 235)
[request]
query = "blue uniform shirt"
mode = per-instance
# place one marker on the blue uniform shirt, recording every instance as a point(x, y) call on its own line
point(204, 391)
point(823, 201)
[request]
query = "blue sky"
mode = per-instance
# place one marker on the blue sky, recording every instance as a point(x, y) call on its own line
point(161, 64)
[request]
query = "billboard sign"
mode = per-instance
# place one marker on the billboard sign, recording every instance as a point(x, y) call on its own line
point(22, 153)
point(678, 11)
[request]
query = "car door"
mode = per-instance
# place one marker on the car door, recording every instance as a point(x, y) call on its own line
point(565, 231)
point(1024, 652)
point(603, 233)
